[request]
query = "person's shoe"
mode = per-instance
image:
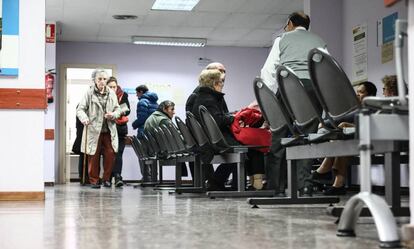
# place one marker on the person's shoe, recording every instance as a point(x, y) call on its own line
point(95, 186)
point(107, 184)
point(318, 176)
point(335, 191)
point(306, 191)
point(118, 181)
point(258, 181)
point(214, 186)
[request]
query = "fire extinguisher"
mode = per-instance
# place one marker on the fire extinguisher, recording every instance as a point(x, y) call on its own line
point(49, 81)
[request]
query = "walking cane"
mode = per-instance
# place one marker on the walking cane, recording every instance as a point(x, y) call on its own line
point(85, 156)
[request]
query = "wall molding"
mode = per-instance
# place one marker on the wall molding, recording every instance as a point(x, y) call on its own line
point(22, 98)
point(22, 196)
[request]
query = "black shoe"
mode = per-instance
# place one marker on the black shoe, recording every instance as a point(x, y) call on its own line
point(107, 184)
point(95, 186)
point(335, 191)
point(306, 191)
point(318, 176)
point(118, 181)
point(214, 186)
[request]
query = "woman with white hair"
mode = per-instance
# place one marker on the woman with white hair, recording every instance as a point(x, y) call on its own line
point(98, 110)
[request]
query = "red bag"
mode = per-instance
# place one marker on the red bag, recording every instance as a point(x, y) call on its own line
point(249, 135)
point(122, 120)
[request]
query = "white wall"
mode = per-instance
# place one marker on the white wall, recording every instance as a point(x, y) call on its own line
point(22, 131)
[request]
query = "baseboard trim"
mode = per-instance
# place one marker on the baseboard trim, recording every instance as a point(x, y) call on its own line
point(22, 196)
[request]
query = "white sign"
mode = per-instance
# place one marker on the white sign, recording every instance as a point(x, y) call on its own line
point(359, 53)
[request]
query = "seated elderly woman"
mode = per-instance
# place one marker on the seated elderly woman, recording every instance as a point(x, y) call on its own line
point(210, 95)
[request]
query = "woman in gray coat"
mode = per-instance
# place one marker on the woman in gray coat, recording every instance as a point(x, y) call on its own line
point(98, 110)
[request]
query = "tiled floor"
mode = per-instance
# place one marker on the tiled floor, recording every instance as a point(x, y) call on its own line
point(80, 217)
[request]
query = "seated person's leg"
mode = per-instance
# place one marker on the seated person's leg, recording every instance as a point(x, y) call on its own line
point(276, 163)
point(220, 176)
point(255, 168)
point(338, 187)
point(326, 165)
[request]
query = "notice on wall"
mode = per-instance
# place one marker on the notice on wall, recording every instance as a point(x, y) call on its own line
point(359, 53)
point(387, 36)
point(387, 52)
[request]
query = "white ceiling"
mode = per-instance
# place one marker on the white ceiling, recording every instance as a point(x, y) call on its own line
point(243, 23)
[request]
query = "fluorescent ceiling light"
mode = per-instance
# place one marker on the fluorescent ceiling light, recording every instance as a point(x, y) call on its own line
point(186, 5)
point(169, 41)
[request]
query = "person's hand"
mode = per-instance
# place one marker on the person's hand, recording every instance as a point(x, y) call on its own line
point(242, 124)
point(109, 115)
point(86, 122)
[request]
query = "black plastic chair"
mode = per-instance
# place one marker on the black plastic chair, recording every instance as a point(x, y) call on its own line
point(332, 87)
point(178, 139)
point(197, 131)
point(296, 98)
point(189, 141)
point(275, 113)
point(224, 153)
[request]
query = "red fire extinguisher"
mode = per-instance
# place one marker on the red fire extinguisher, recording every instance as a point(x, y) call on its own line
point(49, 81)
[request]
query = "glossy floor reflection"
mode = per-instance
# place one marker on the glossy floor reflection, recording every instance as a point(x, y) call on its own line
point(80, 217)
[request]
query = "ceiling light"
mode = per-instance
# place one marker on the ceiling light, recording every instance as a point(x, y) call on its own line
point(186, 5)
point(124, 17)
point(169, 41)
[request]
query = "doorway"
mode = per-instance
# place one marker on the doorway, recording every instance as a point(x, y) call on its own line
point(74, 82)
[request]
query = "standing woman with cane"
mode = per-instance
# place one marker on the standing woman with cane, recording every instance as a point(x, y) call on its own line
point(97, 111)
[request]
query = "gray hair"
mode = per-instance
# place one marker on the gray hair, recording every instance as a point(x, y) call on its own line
point(98, 71)
point(208, 77)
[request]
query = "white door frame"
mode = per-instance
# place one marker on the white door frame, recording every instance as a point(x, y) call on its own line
point(62, 171)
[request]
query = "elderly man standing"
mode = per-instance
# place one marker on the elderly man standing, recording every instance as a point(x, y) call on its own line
point(290, 49)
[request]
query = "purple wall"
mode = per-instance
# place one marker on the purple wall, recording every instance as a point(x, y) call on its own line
point(140, 64)
point(327, 21)
point(176, 66)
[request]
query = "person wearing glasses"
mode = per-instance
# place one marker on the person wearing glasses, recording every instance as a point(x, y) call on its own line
point(210, 95)
point(290, 49)
point(98, 110)
point(209, 170)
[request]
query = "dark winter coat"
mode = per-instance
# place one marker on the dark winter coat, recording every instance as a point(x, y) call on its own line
point(216, 105)
point(147, 104)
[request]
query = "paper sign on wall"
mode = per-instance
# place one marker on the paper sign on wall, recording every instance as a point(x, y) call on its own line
point(359, 53)
point(50, 33)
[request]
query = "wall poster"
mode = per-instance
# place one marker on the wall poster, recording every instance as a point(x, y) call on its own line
point(9, 49)
point(359, 54)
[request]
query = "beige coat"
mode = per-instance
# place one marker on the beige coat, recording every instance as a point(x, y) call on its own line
point(89, 109)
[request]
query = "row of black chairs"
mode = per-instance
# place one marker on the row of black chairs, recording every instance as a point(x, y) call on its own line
point(171, 145)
